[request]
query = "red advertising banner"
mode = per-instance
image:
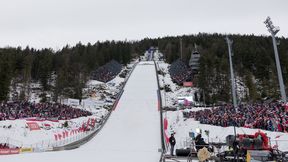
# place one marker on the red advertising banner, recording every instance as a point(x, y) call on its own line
point(165, 130)
point(33, 126)
point(41, 119)
point(166, 137)
point(188, 84)
point(165, 124)
point(9, 151)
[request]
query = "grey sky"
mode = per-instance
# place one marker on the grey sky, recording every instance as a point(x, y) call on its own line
point(54, 23)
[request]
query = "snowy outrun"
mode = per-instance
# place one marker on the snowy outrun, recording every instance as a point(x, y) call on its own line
point(132, 133)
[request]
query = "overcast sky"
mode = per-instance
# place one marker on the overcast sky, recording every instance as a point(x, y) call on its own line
point(55, 23)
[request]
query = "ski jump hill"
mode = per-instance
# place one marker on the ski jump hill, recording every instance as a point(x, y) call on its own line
point(132, 133)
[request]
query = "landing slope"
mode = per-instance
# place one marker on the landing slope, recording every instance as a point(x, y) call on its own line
point(134, 126)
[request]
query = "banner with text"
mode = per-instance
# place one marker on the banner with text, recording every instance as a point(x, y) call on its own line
point(33, 126)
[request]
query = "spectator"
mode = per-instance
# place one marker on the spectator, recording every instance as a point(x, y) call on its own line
point(267, 116)
point(200, 143)
point(172, 142)
point(23, 109)
point(4, 146)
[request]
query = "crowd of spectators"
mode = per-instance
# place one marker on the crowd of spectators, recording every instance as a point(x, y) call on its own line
point(107, 72)
point(267, 116)
point(53, 111)
point(180, 72)
point(4, 146)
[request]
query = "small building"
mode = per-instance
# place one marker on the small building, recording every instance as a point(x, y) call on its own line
point(194, 60)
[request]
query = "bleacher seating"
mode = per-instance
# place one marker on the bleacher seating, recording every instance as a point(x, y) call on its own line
point(180, 72)
point(107, 72)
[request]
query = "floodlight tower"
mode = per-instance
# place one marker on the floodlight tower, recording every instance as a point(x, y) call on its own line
point(274, 30)
point(229, 43)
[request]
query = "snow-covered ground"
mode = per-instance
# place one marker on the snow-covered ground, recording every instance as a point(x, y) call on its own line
point(18, 134)
point(132, 132)
point(182, 126)
point(169, 99)
point(99, 94)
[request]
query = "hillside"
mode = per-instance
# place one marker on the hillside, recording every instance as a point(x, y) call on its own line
point(64, 72)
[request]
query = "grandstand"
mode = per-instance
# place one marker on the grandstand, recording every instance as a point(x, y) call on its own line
point(107, 72)
point(180, 72)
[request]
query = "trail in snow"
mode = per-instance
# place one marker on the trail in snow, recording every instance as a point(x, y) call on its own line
point(131, 134)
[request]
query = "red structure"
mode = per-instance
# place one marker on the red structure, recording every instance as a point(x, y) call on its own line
point(258, 141)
